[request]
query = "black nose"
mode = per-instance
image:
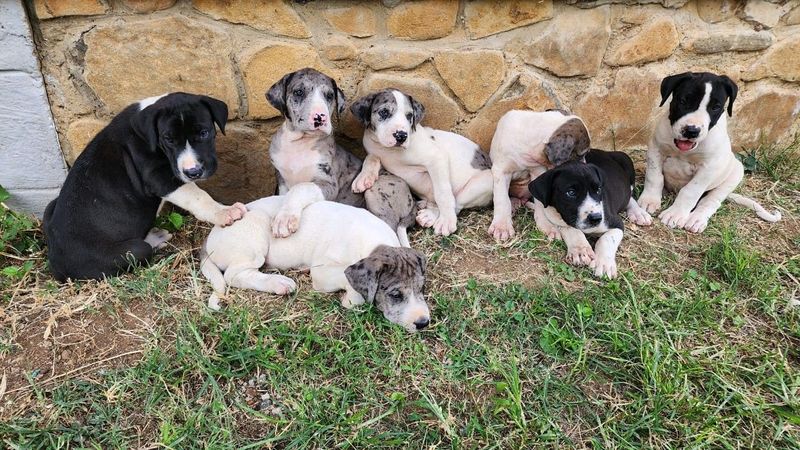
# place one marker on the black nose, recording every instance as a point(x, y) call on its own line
point(319, 120)
point(594, 218)
point(421, 323)
point(691, 131)
point(401, 136)
point(193, 173)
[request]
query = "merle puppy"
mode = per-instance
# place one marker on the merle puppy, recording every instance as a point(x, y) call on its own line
point(586, 199)
point(154, 150)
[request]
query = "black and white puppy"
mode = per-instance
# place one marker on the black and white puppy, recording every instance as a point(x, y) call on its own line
point(690, 153)
point(310, 163)
point(154, 150)
point(586, 198)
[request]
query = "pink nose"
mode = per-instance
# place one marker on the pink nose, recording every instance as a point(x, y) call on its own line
point(319, 119)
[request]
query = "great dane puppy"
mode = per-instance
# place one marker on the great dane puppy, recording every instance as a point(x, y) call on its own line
point(346, 249)
point(525, 145)
point(308, 161)
point(690, 153)
point(585, 199)
point(449, 172)
point(152, 151)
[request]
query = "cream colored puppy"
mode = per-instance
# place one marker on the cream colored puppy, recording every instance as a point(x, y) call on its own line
point(346, 248)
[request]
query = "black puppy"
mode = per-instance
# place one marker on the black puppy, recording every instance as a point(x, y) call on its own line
point(153, 150)
point(585, 198)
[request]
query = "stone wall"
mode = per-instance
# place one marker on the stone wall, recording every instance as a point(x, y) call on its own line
point(468, 61)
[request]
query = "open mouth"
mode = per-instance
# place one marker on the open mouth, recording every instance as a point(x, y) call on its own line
point(685, 145)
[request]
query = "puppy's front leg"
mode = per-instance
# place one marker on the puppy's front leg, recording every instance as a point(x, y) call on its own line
point(502, 227)
point(287, 220)
point(677, 215)
point(605, 261)
point(197, 201)
point(446, 223)
point(650, 200)
point(579, 251)
point(368, 175)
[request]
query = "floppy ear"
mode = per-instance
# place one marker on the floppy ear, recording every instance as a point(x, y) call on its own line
point(276, 95)
point(145, 124)
point(669, 84)
point(542, 187)
point(218, 109)
point(419, 112)
point(560, 148)
point(731, 89)
point(362, 108)
point(364, 276)
point(339, 101)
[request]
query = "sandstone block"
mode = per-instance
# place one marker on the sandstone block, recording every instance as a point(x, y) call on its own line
point(793, 16)
point(573, 44)
point(524, 92)
point(473, 76)
point(762, 13)
point(384, 57)
point(79, 133)
point(487, 17)
point(780, 60)
point(358, 21)
point(274, 16)
point(742, 41)
point(47, 9)
point(148, 6)
point(125, 62)
point(422, 20)
point(714, 11)
point(595, 3)
point(265, 65)
point(765, 114)
point(655, 40)
point(339, 48)
point(619, 116)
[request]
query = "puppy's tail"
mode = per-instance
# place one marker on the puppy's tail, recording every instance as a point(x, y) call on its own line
point(214, 276)
point(755, 206)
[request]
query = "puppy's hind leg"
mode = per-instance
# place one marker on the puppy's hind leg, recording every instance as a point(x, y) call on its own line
point(126, 255)
point(332, 279)
point(245, 275)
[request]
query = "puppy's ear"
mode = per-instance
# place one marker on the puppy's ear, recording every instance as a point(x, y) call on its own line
point(339, 101)
point(145, 124)
point(419, 112)
point(276, 95)
point(542, 187)
point(731, 89)
point(364, 277)
point(218, 110)
point(671, 82)
point(362, 108)
point(569, 142)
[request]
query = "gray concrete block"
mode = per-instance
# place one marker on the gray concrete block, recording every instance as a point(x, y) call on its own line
point(32, 201)
point(17, 51)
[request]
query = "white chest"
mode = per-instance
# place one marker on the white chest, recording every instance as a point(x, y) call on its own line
point(296, 162)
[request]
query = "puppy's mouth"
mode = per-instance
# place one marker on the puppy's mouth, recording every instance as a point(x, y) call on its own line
point(684, 145)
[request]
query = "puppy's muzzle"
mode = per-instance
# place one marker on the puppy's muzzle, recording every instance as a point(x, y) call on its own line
point(400, 136)
point(421, 323)
point(594, 219)
point(194, 173)
point(690, 132)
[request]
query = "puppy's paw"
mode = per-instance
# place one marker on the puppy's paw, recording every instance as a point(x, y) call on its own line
point(502, 229)
point(445, 225)
point(285, 223)
point(697, 223)
point(281, 285)
point(427, 217)
point(351, 299)
point(517, 203)
point(674, 217)
point(157, 238)
point(363, 182)
point(649, 203)
point(604, 267)
point(639, 216)
point(229, 214)
point(582, 255)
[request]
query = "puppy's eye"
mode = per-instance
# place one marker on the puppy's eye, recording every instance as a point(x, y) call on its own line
point(683, 101)
point(203, 134)
point(396, 296)
point(329, 96)
point(168, 139)
point(383, 114)
point(409, 116)
point(716, 107)
point(599, 189)
point(571, 193)
point(298, 93)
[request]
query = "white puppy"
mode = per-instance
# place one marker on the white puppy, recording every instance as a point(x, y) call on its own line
point(448, 171)
point(690, 153)
point(345, 248)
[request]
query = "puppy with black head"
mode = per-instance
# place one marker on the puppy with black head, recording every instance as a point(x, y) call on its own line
point(586, 199)
point(690, 153)
point(310, 165)
point(154, 150)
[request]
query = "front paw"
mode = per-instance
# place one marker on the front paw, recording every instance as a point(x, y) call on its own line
point(363, 182)
point(674, 217)
point(640, 217)
point(281, 285)
point(582, 255)
point(285, 224)
point(229, 214)
point(697, 222)
point(427, 217)
point(604, 267)
point(502, 229)
point(157, 238)
point(650, 203)
point(445, 225)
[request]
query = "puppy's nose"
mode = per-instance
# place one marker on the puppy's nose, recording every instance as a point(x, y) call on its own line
point(422, 323)
point(594, 218)
point(319, 119)
point(194, 172)
point(691, 131)
point(400, 136)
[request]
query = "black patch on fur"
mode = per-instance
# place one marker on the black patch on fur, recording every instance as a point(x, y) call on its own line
point(688, 89)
